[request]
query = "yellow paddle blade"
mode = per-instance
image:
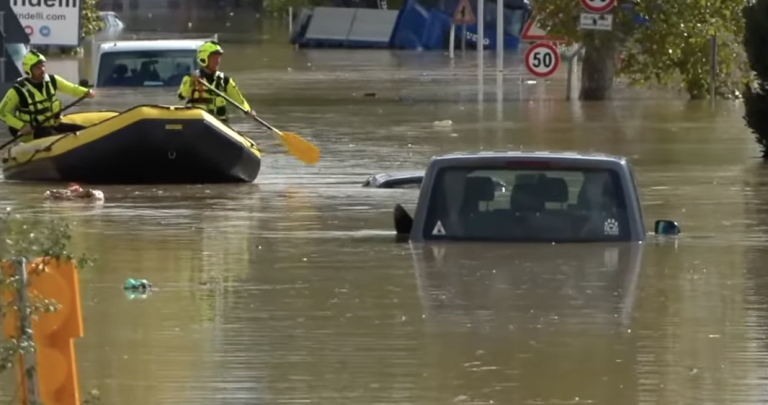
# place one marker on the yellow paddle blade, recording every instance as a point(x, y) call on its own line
point(306, 151)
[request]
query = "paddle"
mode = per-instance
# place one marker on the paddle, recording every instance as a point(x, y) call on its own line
point(67, 107)
point(298, 146)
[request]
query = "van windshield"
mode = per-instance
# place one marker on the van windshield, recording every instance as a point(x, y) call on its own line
point(145, 68)
point(527, 205)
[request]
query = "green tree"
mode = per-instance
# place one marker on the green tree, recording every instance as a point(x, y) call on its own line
point(30, 238)
point(672, 49)
point(92, 22)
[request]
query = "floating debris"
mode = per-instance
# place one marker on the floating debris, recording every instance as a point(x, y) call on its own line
point(137, 284)
point(74, 192)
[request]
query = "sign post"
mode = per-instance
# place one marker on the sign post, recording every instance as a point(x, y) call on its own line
point(2, 47)
point(532, 32)
point(480, 33)
point(499, 35)
point(50, 22)
point(462, 16)
point(542, 59)
point(596, 17)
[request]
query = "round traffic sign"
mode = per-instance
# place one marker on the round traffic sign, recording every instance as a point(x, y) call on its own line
point(30, 30)
point(598, 6)
point(542, 59)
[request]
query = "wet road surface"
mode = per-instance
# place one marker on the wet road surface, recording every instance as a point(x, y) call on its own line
point(291, 290)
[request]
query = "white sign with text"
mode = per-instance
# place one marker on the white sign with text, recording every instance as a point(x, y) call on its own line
point(589, 21)
point(50, 22)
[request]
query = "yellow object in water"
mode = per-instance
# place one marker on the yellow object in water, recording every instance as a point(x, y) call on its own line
point(147, 144)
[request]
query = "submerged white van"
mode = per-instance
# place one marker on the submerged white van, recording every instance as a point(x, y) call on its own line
point(144, 63)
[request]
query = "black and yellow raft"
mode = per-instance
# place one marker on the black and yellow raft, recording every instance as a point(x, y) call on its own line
point(147, 144)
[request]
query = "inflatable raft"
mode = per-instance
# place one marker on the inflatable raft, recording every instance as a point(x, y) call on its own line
point(147, 144)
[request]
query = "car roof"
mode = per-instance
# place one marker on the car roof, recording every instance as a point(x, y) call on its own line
point(151, 45)
point(398, 175)
point(522, 154)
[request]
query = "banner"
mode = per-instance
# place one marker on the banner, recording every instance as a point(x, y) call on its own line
point(50, 22)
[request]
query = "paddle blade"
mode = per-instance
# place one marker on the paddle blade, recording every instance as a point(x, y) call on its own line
point(306, 151)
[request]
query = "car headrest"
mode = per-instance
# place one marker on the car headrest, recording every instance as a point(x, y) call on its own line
point(527, 197)
point(480, 189)
point(556, 190)
point(120, 69)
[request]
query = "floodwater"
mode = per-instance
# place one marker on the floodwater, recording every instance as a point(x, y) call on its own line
point(291, 290)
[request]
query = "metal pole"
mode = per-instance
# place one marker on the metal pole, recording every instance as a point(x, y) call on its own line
point(713, 67)
point(569, 80)
point(499, 98)
point(480, 88)
point(25, 324)
point(500, 35)
point(452, 40)
point(572, 59)
point(290, 20)
point(463, 38)
point(2, 55)
point(480, 32)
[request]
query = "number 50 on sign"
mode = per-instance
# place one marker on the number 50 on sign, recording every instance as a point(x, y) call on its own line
point(542, 59)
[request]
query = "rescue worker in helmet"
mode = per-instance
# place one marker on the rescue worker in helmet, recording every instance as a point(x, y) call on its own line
point(31, 109)
point(197, 95)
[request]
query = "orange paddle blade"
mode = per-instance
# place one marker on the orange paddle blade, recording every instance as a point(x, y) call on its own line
point(306, 151)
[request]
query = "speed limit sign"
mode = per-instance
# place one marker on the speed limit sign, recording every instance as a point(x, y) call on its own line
point(598, 6)
point(542, 59)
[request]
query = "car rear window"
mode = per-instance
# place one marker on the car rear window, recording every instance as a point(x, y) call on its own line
point(527, 205)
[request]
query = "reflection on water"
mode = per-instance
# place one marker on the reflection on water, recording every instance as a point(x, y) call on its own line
point(291, 289)
point(536, 324)
point(573, 286)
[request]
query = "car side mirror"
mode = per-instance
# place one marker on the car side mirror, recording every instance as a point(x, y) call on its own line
point(403, 220)
point(666, 227)
point(84, 83)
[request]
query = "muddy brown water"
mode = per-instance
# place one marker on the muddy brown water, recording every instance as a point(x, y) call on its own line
point(290, 290)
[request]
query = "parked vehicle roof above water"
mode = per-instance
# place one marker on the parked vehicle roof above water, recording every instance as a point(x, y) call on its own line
point(144, 63)
point(111, 20)
point(549, 196)
point(522, 154)
point(151, 45)
point(394, 179)
point(410, 179)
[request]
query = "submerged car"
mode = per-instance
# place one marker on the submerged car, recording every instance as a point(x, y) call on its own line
point(550, 197)
point(144, 63)
point(112, 21)
point(408, 180)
